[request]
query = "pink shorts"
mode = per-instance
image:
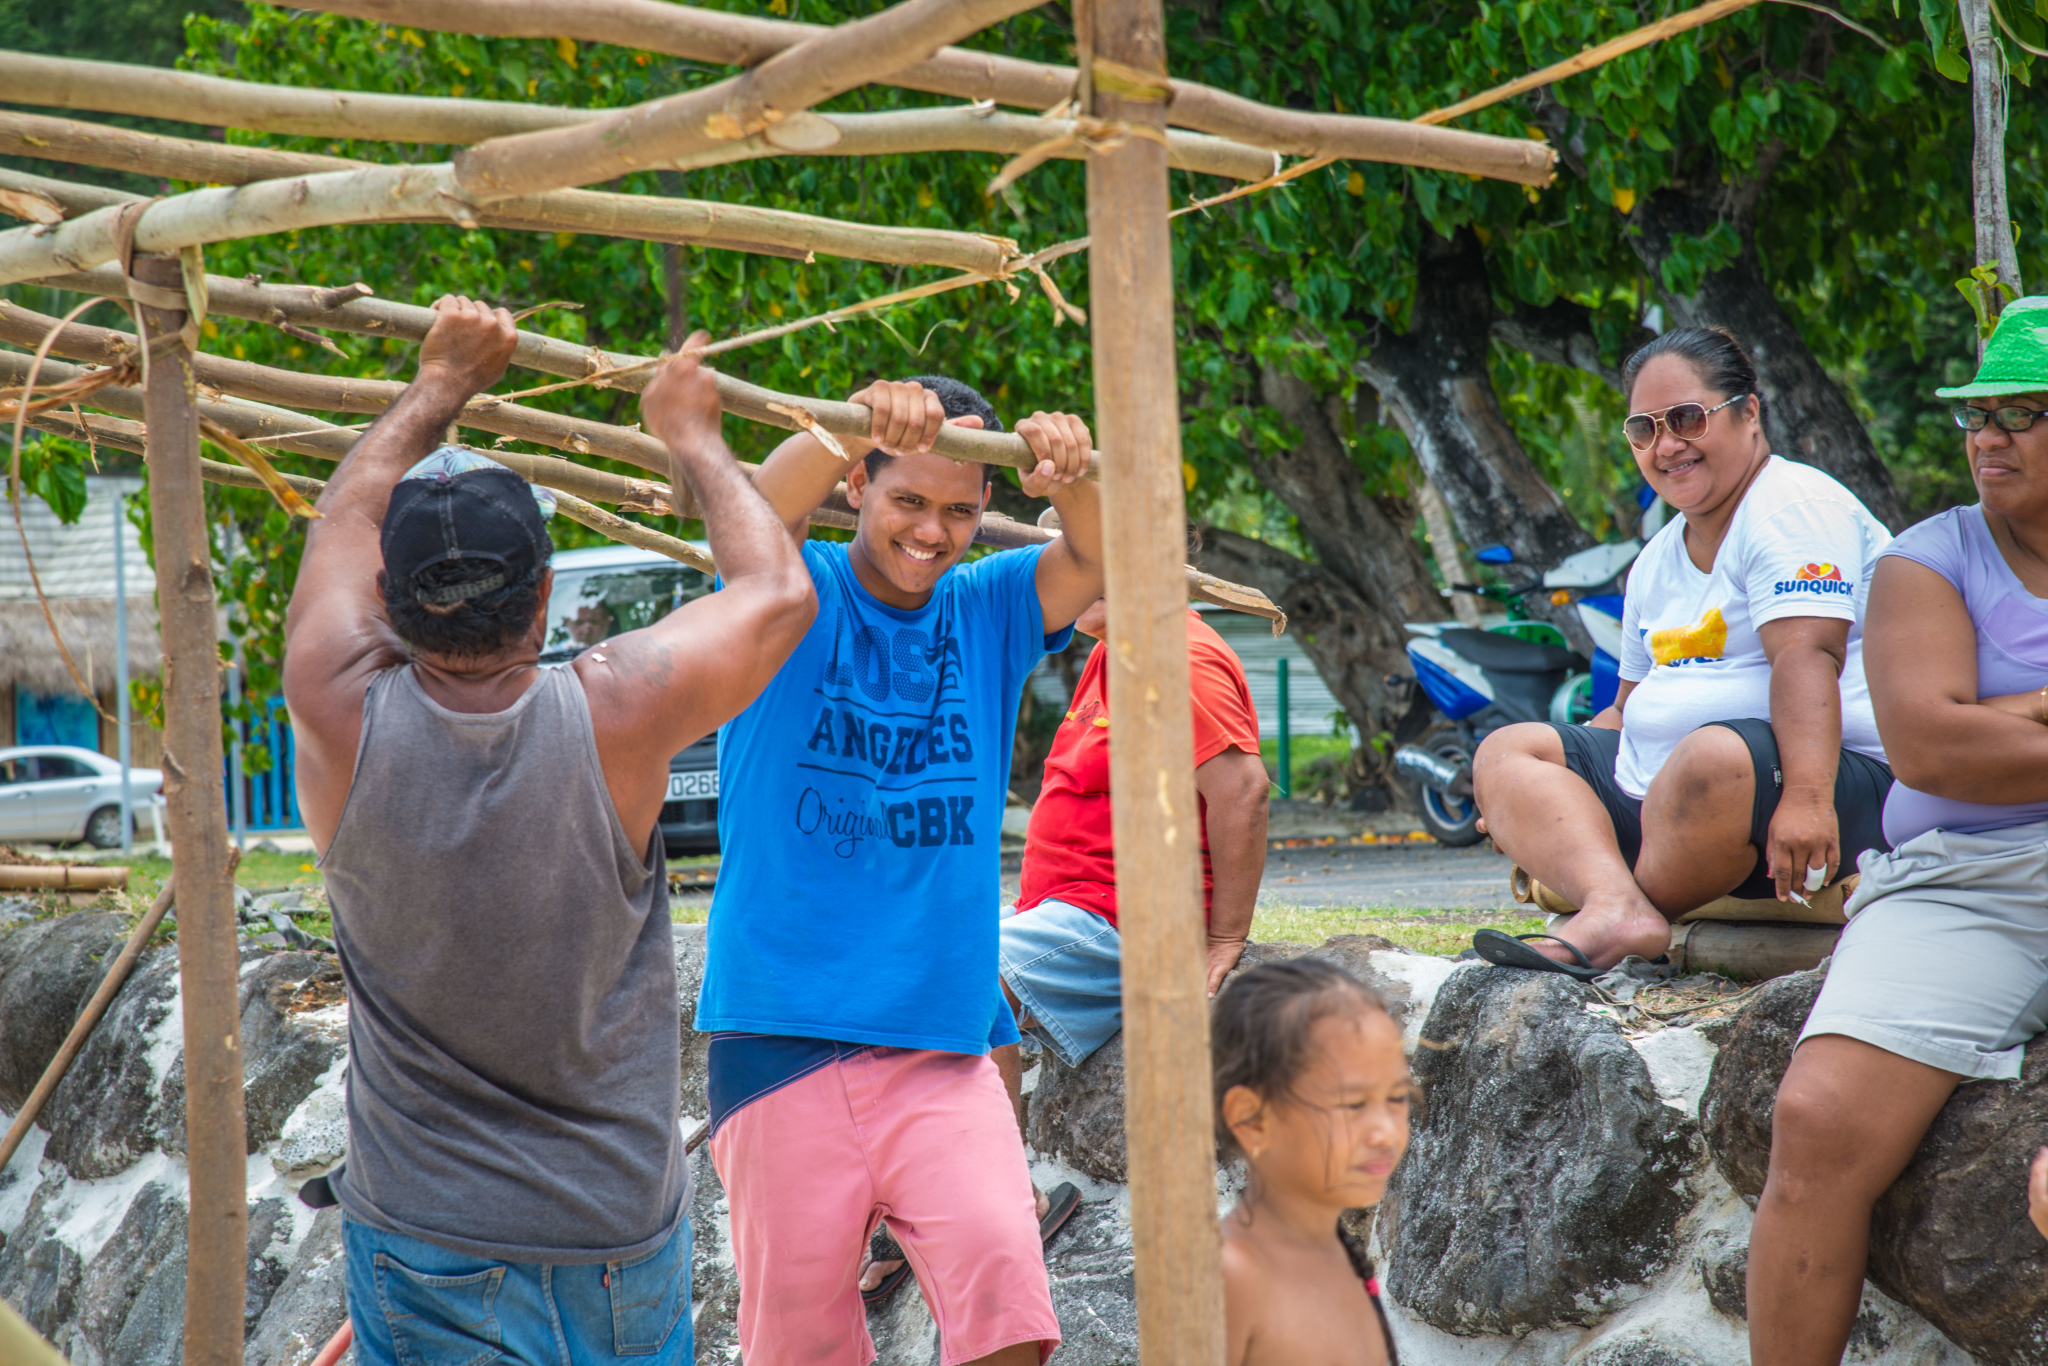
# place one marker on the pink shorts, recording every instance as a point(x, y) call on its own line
point(924, 1141)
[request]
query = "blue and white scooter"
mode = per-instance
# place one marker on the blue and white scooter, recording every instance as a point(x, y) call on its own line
point(1512, 669)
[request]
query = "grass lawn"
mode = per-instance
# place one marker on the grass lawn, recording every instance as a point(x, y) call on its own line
point(1444, 932)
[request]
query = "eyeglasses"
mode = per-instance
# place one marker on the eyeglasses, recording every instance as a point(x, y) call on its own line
point(2011, 418)
point(1686, 421)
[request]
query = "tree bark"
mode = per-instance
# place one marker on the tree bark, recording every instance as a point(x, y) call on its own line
point(1561, 333)
point(216, 1132)
point(1352, 640)
point(1807, 417)
point(1435, 380)
point(1993, 215)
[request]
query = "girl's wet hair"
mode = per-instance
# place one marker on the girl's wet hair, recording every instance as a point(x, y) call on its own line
point(1721, 362)
point(1261, 1025)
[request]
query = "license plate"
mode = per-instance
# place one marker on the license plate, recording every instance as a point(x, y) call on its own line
point(692, 786)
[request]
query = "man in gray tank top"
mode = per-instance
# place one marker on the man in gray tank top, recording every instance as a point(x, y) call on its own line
point(515, 1186)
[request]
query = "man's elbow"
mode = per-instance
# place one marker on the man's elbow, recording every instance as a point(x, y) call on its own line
point(789, 604)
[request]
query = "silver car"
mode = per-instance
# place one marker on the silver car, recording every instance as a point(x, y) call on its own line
point(61, 793)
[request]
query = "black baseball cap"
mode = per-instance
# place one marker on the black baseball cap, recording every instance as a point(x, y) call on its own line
point(459, 505)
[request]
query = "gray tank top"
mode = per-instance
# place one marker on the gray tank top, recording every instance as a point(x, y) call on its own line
point(514, 1081)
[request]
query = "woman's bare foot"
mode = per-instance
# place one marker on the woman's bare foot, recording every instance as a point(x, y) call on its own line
point(873, 1273)
point(1608, 933)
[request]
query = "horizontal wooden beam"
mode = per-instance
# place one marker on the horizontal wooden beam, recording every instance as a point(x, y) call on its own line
point(347, 310)
point(739, 40)
point(310, 436)
point(771, 99)
point(110, 87)
point(693, 222)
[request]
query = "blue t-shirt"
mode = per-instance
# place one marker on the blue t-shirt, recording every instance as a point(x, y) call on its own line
point(860, 812)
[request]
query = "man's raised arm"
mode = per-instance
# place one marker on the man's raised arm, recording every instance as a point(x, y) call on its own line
point(336, 634)
point(654, 691)
point(1070, 570)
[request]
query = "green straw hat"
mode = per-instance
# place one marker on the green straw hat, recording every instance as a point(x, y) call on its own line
point(2016, 361)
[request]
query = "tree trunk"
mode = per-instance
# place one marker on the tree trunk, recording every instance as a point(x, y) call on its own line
point(1435, 379)
point(1995, 244)
point(1352, 639)
point(1368, 578)
point(1807, 417)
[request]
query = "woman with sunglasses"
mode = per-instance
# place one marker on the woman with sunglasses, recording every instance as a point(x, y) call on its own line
point(1740, 754)
point(1942, 973)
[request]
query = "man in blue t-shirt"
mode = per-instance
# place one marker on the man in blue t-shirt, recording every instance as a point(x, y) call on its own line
point(851, 980)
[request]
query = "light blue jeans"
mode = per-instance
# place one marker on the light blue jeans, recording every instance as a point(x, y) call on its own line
point(415, 1304)
point(1065, 965)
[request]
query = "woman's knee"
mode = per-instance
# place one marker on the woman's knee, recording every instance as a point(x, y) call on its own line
point(1833, 1136)
point(1523, 740)
point(1709, 781)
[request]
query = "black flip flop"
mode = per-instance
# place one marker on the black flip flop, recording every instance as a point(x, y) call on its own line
point(1059, 1208)
point(1509, 951)
point(883, 1248)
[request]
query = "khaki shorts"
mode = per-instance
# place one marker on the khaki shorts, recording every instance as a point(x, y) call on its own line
point(1945, 957)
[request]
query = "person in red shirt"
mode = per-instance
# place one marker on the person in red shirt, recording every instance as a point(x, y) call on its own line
point(1061, 956)
point(1060, 964)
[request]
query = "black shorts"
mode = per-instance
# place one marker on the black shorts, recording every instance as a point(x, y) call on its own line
point(1861, 783)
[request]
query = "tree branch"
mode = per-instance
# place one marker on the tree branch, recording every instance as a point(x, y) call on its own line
point(109, 87)
point(764, 100)
point(736, 227)
point(345, 310)
point(1561, 333)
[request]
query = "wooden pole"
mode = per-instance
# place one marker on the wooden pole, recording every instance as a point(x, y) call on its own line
point(216, 1143)
point(1159, 898)
point(1993, 214)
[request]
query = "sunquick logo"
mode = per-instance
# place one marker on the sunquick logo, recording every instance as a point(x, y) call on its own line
point(1816, 578)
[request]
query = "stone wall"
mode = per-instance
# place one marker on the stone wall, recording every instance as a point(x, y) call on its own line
point(1578, 1191)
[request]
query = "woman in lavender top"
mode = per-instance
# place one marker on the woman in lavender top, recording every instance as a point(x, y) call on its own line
point(1941, 976)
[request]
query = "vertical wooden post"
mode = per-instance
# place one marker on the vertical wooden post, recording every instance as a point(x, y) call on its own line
point(1993, 214)
point(216, 1145)
point(1159, 902)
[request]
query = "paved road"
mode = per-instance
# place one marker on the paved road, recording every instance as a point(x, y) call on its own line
point(1422, 876)
point(1425, 877)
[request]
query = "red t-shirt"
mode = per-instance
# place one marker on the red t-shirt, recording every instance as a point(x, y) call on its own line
point(1068, 854)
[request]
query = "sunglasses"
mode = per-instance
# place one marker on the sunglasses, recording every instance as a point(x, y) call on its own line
point(1686, 421)
point(2011, 418)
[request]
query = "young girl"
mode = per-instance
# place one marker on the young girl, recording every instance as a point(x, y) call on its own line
point(1312, 1089)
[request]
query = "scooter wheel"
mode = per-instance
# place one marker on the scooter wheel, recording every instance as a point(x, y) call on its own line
point(1452, 821)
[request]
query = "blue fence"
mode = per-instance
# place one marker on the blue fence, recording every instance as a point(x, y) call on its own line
point(273, 796)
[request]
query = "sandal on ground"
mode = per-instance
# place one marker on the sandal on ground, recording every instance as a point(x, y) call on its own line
point(1511, 951)
point(1059, 1208)
point(883, 1248)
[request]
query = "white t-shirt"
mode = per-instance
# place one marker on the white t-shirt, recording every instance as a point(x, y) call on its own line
point(1800, 545)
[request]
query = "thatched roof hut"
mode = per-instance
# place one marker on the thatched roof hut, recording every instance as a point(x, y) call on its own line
point(75, 564)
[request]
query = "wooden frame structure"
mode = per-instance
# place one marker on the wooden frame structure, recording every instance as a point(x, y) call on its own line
point(1119, 109)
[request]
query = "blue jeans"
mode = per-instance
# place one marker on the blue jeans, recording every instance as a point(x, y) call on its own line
point(415, 1304)
point(1065, 965)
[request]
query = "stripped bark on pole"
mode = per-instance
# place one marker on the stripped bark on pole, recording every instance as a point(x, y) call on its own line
point(300, 434)
point(1991, 211)
point(958, 128)
point(216, 1132)
point(650, 218)
point(381, 318)
point(731, 39)
point(770, 99)
point(1156, 825)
